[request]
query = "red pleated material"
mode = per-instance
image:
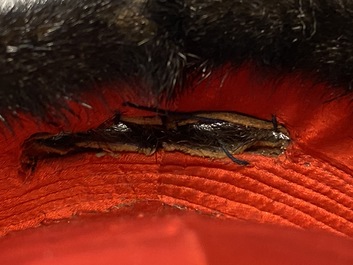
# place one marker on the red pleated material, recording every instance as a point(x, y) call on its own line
point(309, 188)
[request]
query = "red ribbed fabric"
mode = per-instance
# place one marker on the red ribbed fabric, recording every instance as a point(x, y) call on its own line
point(310, 187)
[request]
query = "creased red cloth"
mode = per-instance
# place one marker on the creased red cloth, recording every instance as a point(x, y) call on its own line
point(310, 187)
point(172, 240)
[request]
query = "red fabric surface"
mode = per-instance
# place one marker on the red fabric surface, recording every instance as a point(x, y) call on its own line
point(310, 186)
point(172, 240)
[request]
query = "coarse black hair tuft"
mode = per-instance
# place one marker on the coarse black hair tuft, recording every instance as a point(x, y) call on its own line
point(54, 50)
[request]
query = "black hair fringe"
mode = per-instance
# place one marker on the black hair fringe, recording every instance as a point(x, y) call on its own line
point(54, 50)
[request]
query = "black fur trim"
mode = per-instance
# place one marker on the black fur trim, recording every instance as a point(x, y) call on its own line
point(54, 50)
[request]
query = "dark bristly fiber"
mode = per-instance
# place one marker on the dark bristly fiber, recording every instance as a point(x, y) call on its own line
point(198, 134)
point(54, 50)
